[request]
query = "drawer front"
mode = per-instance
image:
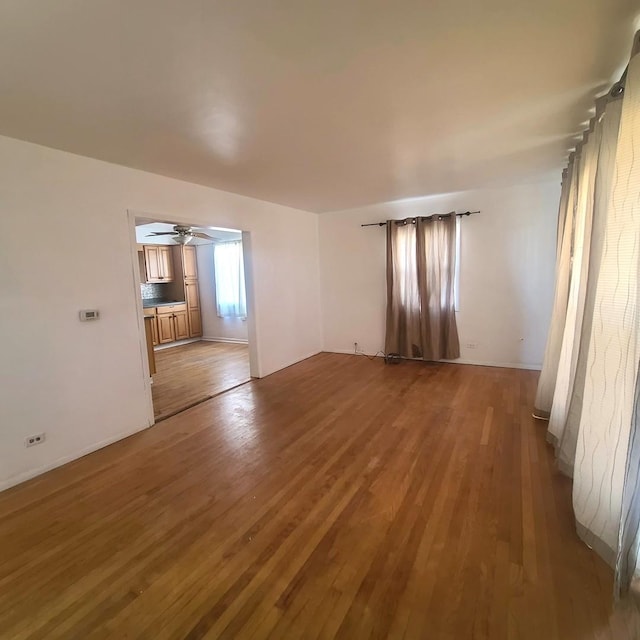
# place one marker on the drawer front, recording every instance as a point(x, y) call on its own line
point(149, 311)
point(171, 308)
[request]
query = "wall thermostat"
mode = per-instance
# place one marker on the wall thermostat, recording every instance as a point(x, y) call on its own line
point(89, 314)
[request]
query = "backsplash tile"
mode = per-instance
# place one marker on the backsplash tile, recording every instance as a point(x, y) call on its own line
point(154, 290)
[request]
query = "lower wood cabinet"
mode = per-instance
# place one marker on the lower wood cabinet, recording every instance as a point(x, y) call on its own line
point(173, 323)
point(166, 330)
point(195, 323)
point(154, 331)
point(149, 322)
point(181, 325)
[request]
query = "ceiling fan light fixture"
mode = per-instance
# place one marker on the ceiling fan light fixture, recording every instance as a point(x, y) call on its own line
point(183, 239)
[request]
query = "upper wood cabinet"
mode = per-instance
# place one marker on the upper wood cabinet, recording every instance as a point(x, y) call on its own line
point(158, 263)
point(189, 264)
point(151, 263)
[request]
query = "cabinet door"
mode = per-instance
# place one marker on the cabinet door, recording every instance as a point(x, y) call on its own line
point(154, 330)
point(192, 295)
point(195, 323)
point(189, 263)
point(165, 264)
point(181, 325)
point(150, 353)
point(166, 331)
point(152, 263)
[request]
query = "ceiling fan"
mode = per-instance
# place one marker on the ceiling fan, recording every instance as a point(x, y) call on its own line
point(182, 234)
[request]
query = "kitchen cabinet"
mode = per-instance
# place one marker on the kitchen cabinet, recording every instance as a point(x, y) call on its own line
point(176, 264)
point(189, 264)
point(166, 331)
point(181, 325)
point(148, 323)
point(154, 331)
point(192, 291)
point(173, 323)
point(158, 263)
point(150, 318)
point(192, 296)
point(195, 323)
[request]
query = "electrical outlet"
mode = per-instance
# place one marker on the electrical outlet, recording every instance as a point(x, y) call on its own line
point(471, 345)
point(33, 440)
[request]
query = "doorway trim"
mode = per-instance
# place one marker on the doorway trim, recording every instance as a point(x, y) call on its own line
point(252, 333)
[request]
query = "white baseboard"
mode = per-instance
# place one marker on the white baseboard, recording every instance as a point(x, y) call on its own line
point(176, 343)
point(477, 363)
point(32, 473)
point(500, 365)
point(349, 352)
point(230, 340)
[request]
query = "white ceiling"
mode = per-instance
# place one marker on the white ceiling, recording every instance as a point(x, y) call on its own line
point(144, 229)
point(321, 105)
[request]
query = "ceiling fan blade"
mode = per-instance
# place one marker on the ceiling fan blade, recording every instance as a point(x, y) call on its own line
point(204, 236)
point(161, 233)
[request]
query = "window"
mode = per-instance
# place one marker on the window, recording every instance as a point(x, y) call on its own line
point(228, 268)
point(406, 265)
point(421, 263)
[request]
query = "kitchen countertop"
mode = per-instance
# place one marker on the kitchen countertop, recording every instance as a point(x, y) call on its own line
point(155, 302)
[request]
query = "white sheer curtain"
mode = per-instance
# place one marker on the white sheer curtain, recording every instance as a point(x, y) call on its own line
point(585, 164)
point(547, 381)
point(589, 383)
point(609, 124)
point(612, 364)
point(228, 266)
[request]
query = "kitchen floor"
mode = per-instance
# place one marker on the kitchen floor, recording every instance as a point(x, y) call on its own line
point(191, 373)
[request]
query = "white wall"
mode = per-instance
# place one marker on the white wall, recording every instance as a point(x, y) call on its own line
point(506, 272)
point(84, 383)
point(214, 327)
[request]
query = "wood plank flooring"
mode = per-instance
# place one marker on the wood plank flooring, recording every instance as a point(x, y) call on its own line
point(192, 372)
point(339, 498)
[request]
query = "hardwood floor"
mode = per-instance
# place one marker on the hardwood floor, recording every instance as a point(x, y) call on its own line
point(338, 498)
point(190, 373)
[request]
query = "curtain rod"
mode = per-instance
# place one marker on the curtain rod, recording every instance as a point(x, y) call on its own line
point(618, 87)
point(431, 217)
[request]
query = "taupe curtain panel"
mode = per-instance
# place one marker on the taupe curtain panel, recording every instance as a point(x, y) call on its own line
point(421, 263)
point(589, 385)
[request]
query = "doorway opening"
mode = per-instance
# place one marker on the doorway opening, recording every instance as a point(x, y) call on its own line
point(194, 303)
